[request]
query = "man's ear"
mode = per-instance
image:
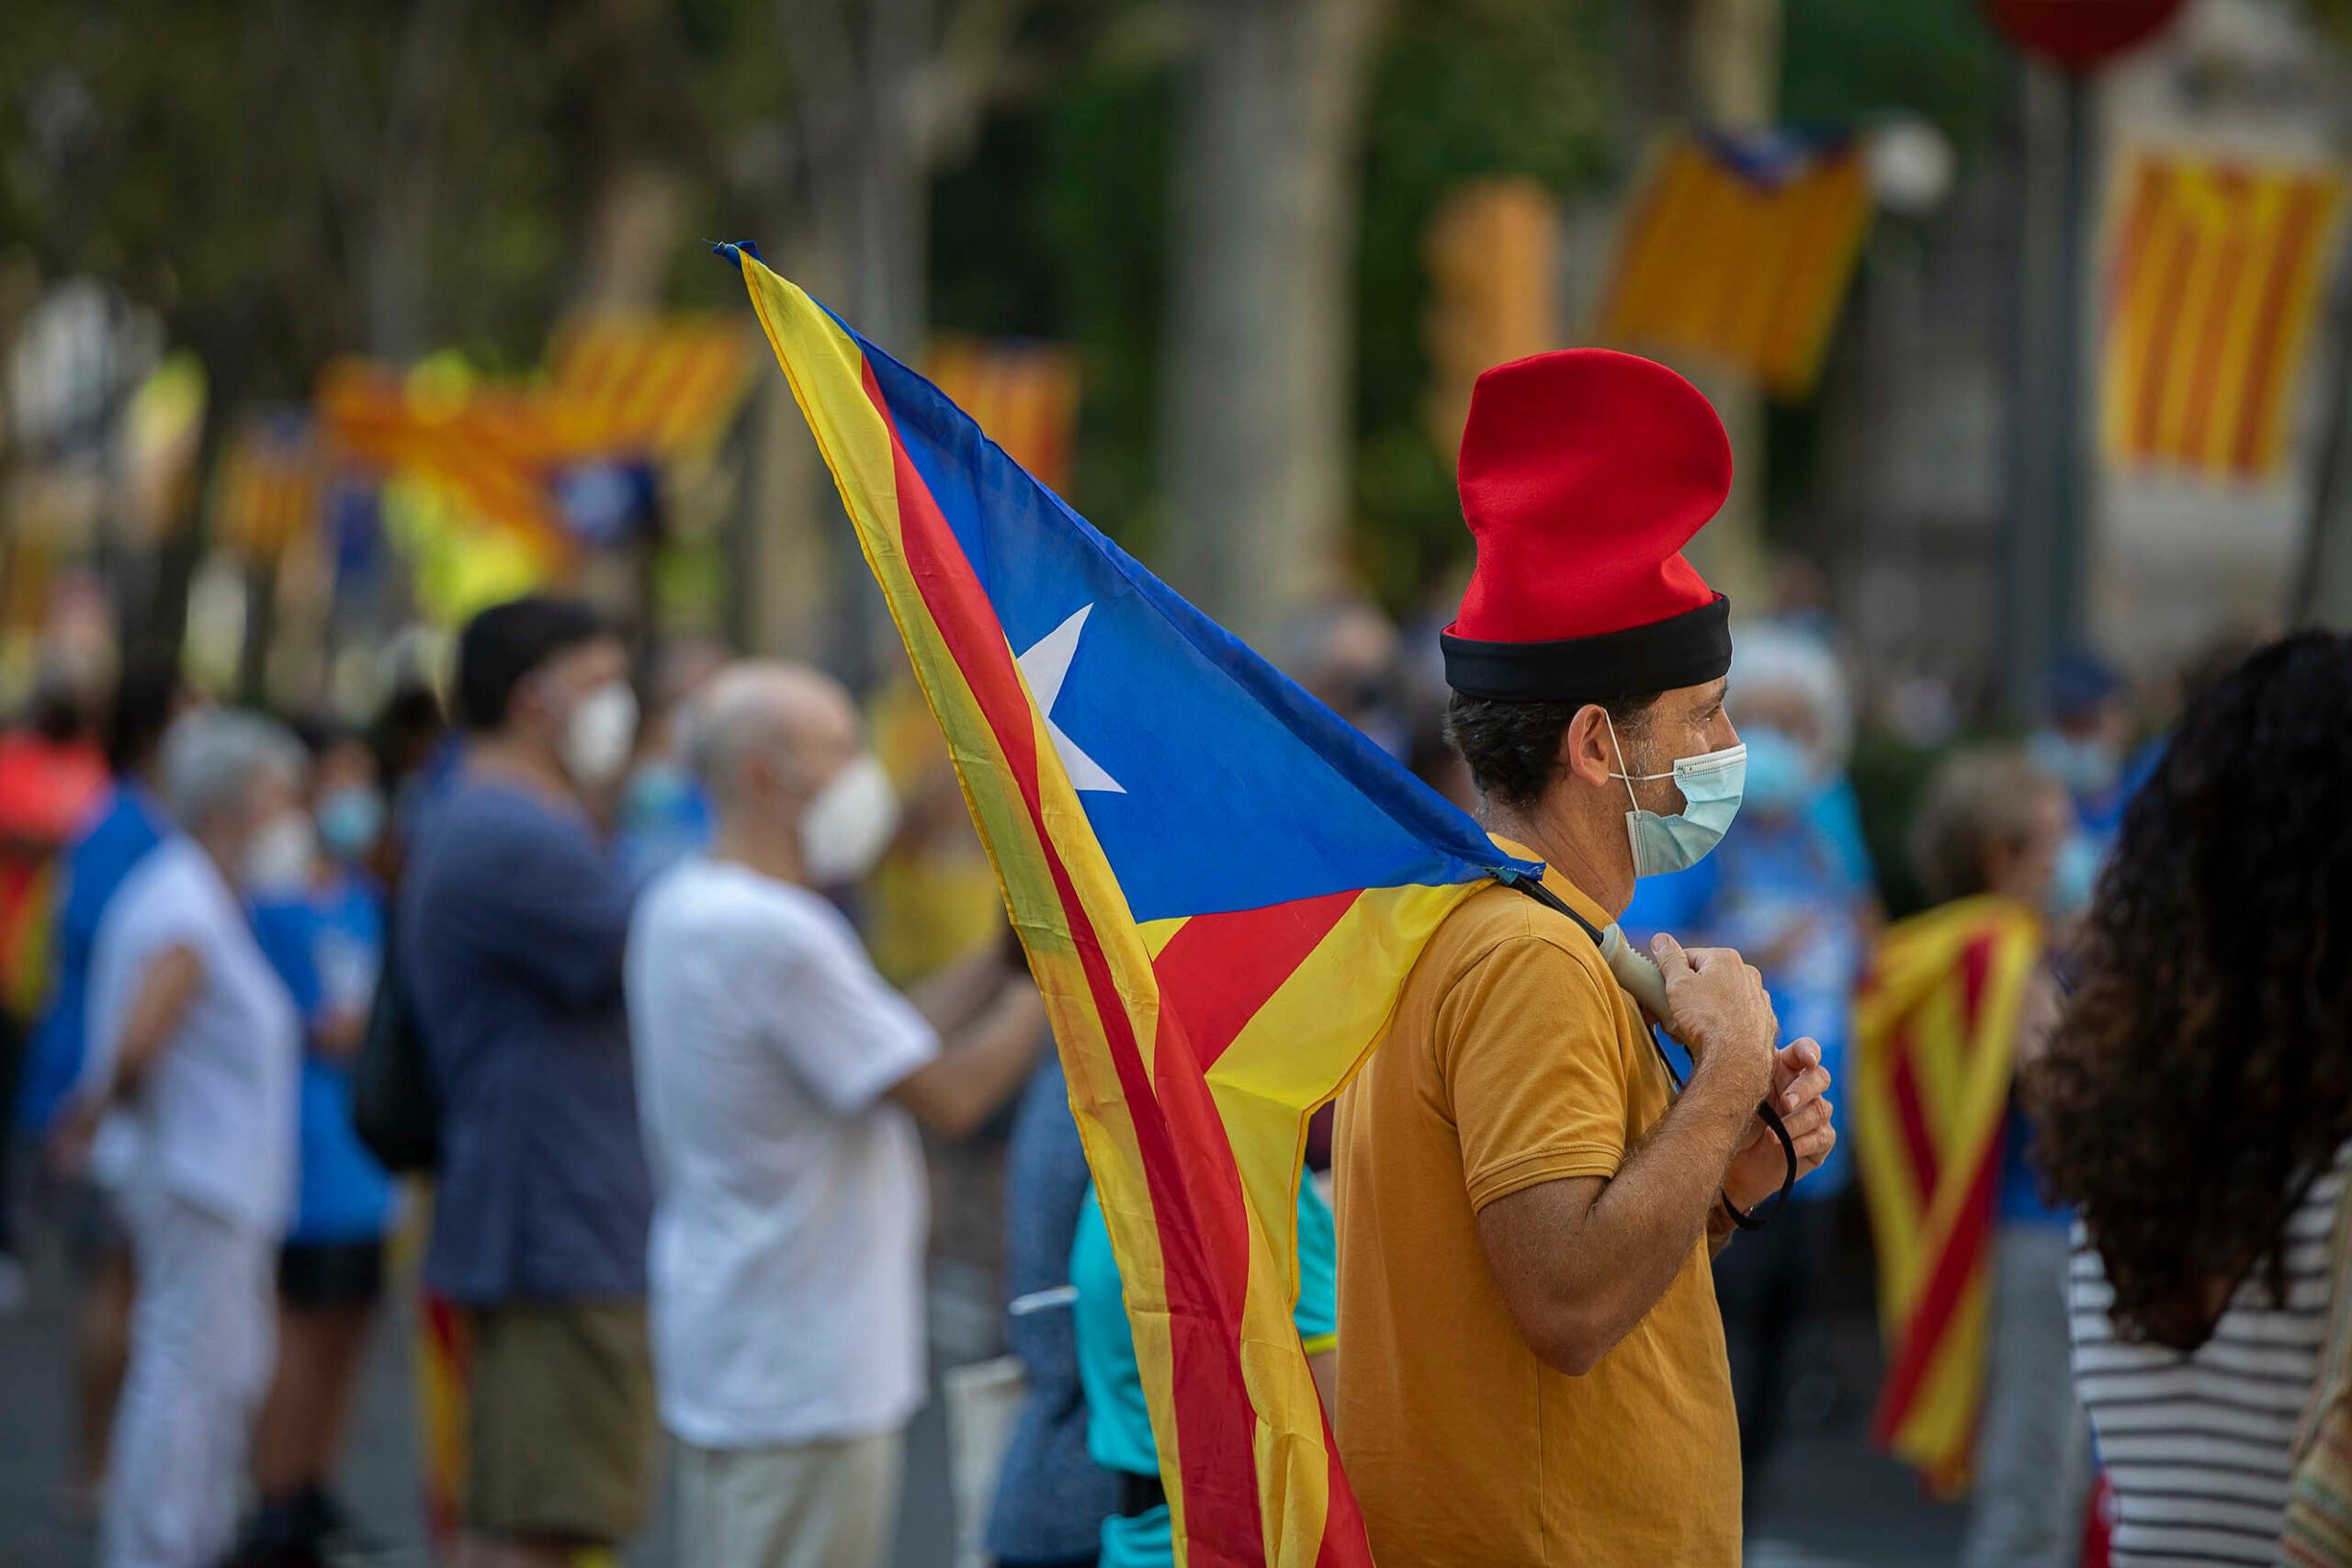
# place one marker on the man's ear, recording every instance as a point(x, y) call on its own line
point(1585, 748)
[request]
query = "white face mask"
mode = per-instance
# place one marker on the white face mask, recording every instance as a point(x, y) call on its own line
point(277, 859)
point(849, 822)
point(597, 740)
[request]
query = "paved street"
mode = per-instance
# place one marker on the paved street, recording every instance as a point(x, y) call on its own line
point(1827, 1501)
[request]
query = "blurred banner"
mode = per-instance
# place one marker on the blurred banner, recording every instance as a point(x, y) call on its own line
point(493, 484)
point(270, 485)
point(1493, 253)
point(2214, 277)
point(1023, 393)
point(1740, 249)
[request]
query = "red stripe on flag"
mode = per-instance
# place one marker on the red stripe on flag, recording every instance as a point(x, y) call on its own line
point(2256, 393)
point(2163, 332)
point(1201, 1222)
point(1903, 1084)
point(1218, 970)
point(1976, 963)
point(1932, 1314)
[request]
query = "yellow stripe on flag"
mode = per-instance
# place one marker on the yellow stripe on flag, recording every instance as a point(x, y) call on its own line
point(1719, 261)
point(2213, 280)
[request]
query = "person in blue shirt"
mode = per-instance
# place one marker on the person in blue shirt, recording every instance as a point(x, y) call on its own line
point(1051, 1498)
point(321, 924)
point(512, 922)
point(130, 821)
point(1791, 887)
point(1118, 1422)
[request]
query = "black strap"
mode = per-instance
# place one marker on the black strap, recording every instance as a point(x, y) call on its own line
point(1754, 1219)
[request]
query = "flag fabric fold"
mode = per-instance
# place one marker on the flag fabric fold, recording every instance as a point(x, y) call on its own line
point(1220, 885)
point(1935, 1030)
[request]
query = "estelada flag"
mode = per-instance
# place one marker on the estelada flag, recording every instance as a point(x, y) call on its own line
point(2214, 278)
point(1935, 1032)
point(1740, 251)
point(1220, 885)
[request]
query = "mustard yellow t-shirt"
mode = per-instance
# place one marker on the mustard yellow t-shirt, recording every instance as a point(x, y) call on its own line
point(1513, 1059)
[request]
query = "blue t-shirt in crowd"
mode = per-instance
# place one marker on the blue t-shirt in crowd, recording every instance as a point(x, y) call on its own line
point(1051, 1498)
point(664, 817)
point(512, 923)
point(129, 822)
point(1784, 888)
point(1118, 1423)
point(327, 944)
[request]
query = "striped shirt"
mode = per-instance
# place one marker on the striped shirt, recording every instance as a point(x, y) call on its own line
point(2195, 1444)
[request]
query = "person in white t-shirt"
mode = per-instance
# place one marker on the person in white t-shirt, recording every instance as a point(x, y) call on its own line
point(194, 1049)
point(779, 1082)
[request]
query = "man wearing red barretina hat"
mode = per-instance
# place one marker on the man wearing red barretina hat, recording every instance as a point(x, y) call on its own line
point(1531, 1365)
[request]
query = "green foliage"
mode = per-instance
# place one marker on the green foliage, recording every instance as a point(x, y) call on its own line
point(1844, 59)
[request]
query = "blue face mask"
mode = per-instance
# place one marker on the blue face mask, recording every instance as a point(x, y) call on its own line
point(2075, 878)
point(2083, 766)
point(350, 820)
point(1779, 772)
point(1711, 784)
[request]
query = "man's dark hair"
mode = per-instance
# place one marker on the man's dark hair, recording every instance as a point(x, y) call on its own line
point(146, 694)
point(507, 642)
point(1513, 748)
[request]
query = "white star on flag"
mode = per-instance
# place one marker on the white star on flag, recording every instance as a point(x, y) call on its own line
point(1044, 667)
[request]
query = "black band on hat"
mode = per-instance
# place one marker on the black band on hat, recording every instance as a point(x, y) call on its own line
point(1687, 649)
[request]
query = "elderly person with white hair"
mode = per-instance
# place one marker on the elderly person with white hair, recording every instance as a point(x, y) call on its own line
point(1791, 887)
point(193, 1055)
point(779, 1082)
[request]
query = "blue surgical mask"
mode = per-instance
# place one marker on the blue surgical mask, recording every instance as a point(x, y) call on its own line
point(2075, 878)
point(1711, 785)
point(1779, 772)
point(2085, 766)
point(350, 820)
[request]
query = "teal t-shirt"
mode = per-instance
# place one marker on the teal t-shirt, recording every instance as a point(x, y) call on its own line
point(1118, 1423)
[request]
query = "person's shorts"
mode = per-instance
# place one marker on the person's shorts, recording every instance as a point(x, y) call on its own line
point(318, 1274)
point(562, 1437)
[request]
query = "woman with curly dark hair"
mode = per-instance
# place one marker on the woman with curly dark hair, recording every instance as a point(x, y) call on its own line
point(2195, 1105)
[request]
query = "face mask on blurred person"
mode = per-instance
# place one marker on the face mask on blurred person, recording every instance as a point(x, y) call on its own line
point(1711, 784)
point(277, 859)
point(2085, 766)
point(2073, 879)
point(350, 820)
point(599, 734)
point(849, 822)
point(1780, 777)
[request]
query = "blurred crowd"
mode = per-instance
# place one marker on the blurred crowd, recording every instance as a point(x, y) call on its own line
point(624, 992)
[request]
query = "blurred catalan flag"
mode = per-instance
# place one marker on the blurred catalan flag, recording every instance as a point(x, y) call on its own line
point(272, 480)
point(1740, 251)
point(2213, 278)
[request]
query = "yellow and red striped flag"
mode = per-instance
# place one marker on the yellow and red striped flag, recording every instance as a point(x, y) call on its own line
point(658, 387)
point(1023, 392)
point(1935, 1030)
point(2213, 280)
point(1740, 251)
point(1220, 885)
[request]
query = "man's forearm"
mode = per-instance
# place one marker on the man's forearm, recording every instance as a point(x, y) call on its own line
point(1642, 1226)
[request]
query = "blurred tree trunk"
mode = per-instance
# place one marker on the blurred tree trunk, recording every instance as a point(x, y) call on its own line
point(1731, 52)
point(881, 91)
point(1257, 409)
point(400, 239)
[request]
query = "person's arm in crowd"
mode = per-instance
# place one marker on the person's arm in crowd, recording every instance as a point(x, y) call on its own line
point(1581, 1262)
point(992, 1024)
point(166, 990)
